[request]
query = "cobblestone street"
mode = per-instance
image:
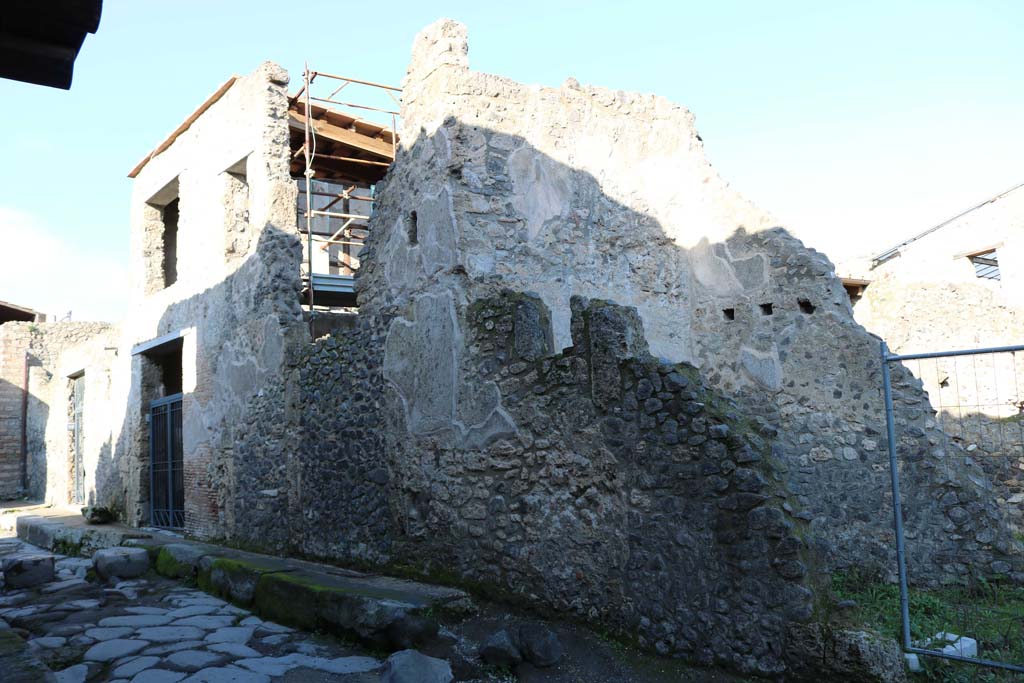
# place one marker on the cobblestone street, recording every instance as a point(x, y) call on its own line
point(154, 630)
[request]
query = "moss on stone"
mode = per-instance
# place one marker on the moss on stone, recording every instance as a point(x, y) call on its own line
point(287, 600)
point(167, 566)
point(228, 566)
point(203, 581)
point(10, 643)
point(63, 546)
point(17, 663)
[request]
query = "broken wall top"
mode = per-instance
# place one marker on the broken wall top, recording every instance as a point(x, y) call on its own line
point(565, 191)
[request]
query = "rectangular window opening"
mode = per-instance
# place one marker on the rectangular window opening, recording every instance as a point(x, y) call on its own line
point(170, 243)
point(237, 235)
point(986, 265)
point(855, 289)
point(161, 237)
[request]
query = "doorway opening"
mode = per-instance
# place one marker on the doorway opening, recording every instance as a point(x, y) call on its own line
point(166, 464)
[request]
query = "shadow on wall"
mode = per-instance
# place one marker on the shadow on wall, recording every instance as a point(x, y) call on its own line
point(763, 317)
point(508, 469)
point(240, 328)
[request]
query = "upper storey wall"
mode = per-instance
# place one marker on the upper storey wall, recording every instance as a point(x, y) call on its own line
point(941, 257)
point(229, 172)
point(571, 190)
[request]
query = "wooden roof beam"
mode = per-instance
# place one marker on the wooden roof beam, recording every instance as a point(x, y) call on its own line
point(345, 137)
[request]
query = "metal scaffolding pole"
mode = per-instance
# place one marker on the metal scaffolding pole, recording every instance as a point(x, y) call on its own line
point(309, 194)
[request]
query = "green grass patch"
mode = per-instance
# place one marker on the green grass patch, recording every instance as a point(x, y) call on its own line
point(990, 612)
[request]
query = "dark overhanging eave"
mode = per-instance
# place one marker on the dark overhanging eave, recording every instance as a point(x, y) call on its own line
point(39, 41)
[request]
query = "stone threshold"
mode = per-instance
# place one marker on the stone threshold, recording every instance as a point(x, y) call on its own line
point(380, 611)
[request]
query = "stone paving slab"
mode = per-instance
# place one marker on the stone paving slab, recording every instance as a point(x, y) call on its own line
point(289, 591)
point(115, 638)
point(259, 631)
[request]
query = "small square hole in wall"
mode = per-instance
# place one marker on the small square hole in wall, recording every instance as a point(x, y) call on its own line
point(766, 309)
point(805, 306)
point(729, 313)
point(413, 228)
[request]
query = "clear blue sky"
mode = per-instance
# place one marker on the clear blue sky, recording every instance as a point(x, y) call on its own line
point(855, 123)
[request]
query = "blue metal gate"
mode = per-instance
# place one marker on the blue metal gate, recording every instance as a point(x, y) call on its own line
point(166, 468)
point(978, 400)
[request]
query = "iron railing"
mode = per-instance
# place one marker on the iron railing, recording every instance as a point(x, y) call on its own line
point(979, 408)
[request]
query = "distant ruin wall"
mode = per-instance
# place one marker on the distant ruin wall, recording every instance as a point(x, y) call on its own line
point(55, 352)
point(979, 400)
point(14, 343)
point(926, 296)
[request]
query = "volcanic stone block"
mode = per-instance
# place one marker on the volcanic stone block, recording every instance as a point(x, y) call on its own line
point(410, 666)
point(125, 563)
point(28, 570)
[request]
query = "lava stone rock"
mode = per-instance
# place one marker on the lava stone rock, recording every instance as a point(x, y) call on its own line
point(97, 514)
point(539, 645)
point(500, 650)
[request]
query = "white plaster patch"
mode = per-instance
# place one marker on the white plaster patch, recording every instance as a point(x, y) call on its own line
point(763, 367)
point(712, 271)
point(420, 359)
point(543, 188)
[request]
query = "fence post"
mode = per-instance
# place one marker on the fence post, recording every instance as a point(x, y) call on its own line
point(897, 506)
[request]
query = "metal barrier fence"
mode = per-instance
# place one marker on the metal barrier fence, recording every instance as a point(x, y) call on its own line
point(978, 398)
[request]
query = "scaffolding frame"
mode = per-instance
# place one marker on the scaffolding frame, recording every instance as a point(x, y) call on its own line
point(343, 235)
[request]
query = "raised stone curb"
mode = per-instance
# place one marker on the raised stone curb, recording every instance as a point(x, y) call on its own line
point(74, 538)
point(382, 611)
point(180, 560)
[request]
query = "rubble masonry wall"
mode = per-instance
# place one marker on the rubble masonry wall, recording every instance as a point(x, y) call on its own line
point(482, 429)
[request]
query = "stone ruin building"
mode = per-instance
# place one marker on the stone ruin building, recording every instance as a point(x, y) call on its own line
point(960, 285)
point(576, 369)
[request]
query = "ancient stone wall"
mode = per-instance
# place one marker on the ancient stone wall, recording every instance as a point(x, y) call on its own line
point(583, 191)
point(623, 491)
point(56, 352)
point(232, 309)
point(629, 493)
point(236, 298)
point(572, 452)
point(14, 342)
